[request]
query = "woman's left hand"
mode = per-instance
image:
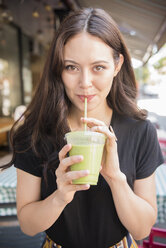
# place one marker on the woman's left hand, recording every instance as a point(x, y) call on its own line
point(110, 160)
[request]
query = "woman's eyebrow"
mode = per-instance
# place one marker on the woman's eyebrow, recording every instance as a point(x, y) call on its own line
point(95, 62)
point(100, 61)
point(70, 61)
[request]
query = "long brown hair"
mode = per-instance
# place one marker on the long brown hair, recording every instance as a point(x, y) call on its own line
point(45, 120)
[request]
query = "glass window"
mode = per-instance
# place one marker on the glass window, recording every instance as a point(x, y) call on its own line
point(10, 93)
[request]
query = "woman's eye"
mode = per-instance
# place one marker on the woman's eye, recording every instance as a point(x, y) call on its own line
point(99, 68)
point(71, 68)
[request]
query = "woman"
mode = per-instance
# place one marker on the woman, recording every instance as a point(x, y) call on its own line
point(88, 58)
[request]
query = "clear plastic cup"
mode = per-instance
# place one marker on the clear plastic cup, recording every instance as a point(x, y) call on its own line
point(90, 146)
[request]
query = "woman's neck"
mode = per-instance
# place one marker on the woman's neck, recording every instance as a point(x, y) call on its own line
point(75, 115)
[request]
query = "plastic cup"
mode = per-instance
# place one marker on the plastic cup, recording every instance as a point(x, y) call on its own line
point(90, 146)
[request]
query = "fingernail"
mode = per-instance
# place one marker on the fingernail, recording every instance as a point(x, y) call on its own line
point(111, 129)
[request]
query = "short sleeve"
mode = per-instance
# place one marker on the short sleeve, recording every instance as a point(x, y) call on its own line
point(28, 162)
point(149, 155)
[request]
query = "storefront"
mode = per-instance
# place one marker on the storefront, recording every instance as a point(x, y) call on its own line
point(20, 69)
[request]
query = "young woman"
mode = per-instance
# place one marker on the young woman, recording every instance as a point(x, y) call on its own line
point(87, 58)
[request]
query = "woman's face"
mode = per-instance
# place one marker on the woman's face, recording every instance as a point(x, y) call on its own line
point(88, 71)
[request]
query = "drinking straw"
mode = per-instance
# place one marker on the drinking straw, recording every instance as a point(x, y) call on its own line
point(85, 113)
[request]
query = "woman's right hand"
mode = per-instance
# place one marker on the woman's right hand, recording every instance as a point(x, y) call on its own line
point(65, 188)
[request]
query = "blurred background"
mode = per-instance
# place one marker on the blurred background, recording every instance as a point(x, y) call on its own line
point(26, 31)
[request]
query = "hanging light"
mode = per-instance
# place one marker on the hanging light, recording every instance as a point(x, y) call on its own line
point(35, 13)
point(5, 13)
point(47, 7)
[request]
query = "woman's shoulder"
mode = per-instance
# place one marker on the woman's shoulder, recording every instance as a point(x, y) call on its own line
point(131, 122)
point(133, 127)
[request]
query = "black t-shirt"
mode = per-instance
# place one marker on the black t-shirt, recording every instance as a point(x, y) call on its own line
point(91, 220)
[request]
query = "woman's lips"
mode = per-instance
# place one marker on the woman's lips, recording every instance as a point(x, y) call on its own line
point(89, 97)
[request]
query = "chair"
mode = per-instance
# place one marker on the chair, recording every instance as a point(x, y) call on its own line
point(155, 232)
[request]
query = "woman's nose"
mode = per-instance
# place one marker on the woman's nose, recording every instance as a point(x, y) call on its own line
point(85, 79)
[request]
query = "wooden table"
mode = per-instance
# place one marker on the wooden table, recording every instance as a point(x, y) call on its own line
point(5, 126)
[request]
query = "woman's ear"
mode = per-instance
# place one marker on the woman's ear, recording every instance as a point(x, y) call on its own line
point(118, 65)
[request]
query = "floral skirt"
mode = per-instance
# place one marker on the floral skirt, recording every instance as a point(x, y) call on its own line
point(126, 242)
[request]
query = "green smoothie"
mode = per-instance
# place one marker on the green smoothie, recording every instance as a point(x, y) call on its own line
point(90, 145)
point(92, 160)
